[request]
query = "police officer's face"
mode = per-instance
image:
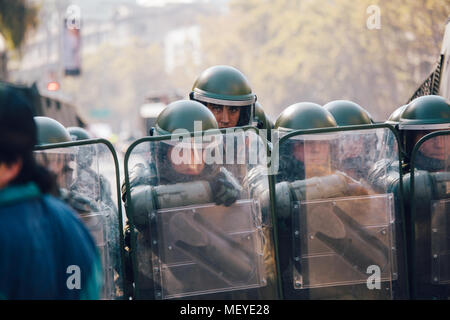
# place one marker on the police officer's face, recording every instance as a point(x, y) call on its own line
point(226, 116)
point(312, 152)
point(436, 147)
point(186, 161)
point(315, 155)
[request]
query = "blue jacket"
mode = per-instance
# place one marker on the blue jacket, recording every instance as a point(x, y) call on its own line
point(45, 250)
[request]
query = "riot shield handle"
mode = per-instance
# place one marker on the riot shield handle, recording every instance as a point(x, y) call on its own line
point(358, 247)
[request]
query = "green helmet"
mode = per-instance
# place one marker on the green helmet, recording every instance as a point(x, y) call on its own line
point(348, 113)
point(299, 116)
point(421, 116)
point(304, 115)
point(85, 154)
point(50, 131)
point(270, 123)
point(426, 113)
point(225, 86)
point(78, 133)
point(262, 119)
point(394, 118)
point(183, 114)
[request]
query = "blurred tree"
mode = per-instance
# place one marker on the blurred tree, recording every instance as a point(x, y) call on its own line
point(303, 50)
point(17, 17)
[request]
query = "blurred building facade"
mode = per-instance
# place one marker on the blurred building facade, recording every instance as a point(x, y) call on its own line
point(170, 23)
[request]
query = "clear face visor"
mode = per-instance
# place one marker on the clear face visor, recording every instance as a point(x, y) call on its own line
point(352, 146)
point(62, 164)
point(435, 148)
point(315, 152)
point(190, 155)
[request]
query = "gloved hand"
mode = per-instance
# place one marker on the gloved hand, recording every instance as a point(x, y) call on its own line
point(78, 202)
point(225, 188)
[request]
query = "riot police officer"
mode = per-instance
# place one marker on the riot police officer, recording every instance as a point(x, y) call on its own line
point(301, 162)
point(422, 116)
point(86, 181)
point(60, 161)
point(227, 93)
point(355, 150)
point(324, 216)
point(301, 116)
point(50, 131)
point(427, 194)
point(83, 190)
point(197, 256)
point(425, 177)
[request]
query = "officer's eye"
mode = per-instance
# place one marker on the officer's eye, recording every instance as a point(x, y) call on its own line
point(234, 109)
point(217, 109)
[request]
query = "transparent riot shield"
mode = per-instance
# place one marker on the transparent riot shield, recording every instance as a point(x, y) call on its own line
point(199, 231)
point(340, 231)
point(87, 175)
point(430, 217)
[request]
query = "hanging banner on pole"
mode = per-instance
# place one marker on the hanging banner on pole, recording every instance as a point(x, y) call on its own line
point(72, 41)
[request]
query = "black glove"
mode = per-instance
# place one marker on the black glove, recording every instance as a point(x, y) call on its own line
point(225, 188)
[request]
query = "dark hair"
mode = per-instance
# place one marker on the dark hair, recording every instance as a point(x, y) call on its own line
point(18, 138)
point(244, 116)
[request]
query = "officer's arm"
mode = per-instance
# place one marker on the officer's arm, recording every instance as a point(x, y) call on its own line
point(331, 186)
point(427, 186)
point(384, 176)
point(358, 247)
point(80, 203)
point(146, 199)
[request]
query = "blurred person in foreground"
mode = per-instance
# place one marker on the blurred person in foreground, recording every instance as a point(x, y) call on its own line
point(46, 252)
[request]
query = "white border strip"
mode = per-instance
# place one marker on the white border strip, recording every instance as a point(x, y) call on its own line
point(233, 103)
point(424, 126)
